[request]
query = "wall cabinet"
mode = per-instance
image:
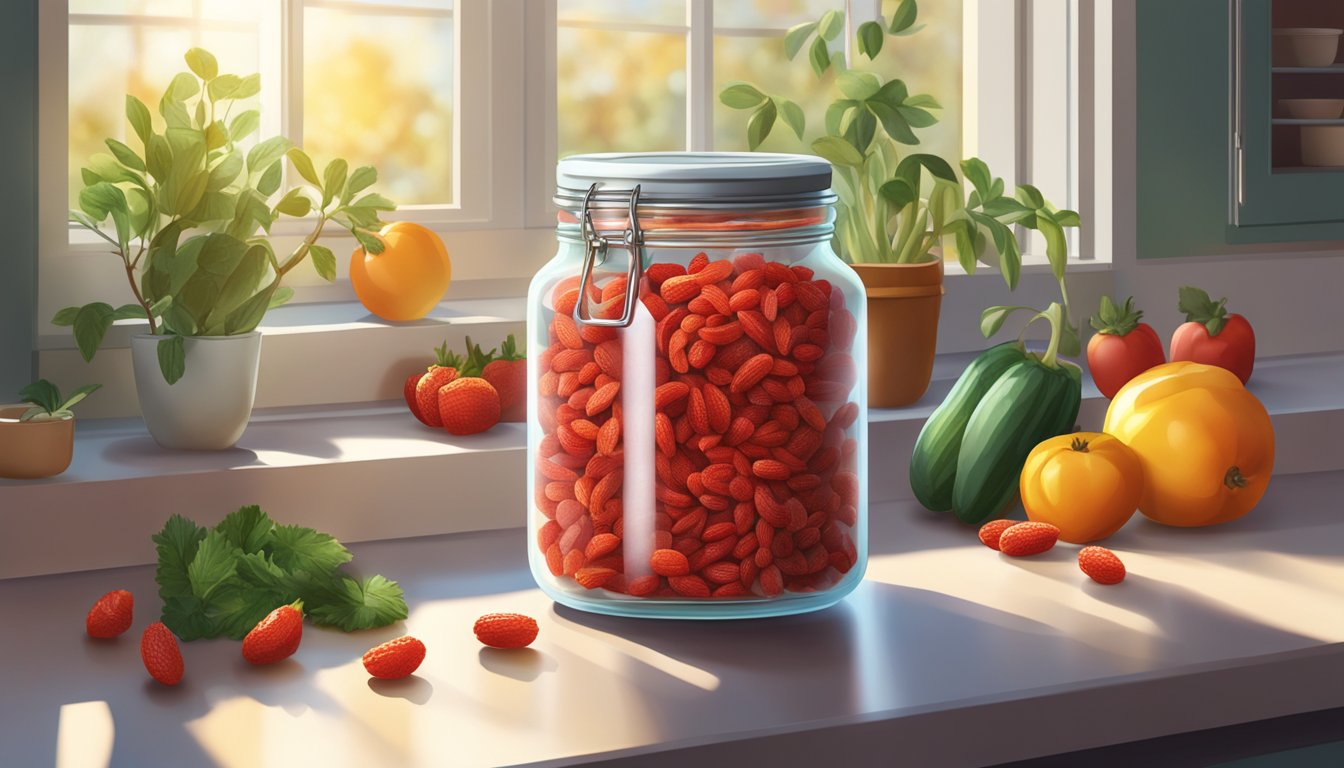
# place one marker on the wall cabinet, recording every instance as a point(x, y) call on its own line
point(1287, 141)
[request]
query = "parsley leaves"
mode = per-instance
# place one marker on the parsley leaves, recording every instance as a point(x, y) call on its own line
point(221, 582)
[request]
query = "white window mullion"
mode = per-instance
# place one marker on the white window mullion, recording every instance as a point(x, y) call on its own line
point(856, 13)
point(291, 71)
point(991, 85)
point(700, 75)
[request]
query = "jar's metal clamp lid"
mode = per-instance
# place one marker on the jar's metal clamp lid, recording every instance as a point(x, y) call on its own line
point(596, 246)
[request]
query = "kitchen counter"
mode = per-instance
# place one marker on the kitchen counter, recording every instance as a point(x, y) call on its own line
point(947, 654)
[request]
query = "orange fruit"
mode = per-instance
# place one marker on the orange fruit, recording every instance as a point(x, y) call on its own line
point(408, 278)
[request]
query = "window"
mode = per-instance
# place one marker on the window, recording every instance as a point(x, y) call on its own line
point(647, 77)
point(361, 79)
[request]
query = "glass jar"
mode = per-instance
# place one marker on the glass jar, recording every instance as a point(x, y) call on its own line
point(697, 421)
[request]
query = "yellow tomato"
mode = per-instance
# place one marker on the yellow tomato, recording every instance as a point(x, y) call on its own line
point(1087, 484)
point(1205, 442)
point(408, 278)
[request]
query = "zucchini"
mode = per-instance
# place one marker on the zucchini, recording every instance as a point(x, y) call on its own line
point(933, 464)
point(1030, 402)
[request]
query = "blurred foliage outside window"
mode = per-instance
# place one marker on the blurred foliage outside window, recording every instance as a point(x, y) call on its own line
point(622, 84)
point(377, 78)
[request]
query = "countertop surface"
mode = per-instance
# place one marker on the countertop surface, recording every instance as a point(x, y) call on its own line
point(946, 654)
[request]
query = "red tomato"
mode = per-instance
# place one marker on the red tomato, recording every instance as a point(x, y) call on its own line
point(1114, 360)
point(1122, 348)
point(1232, 348)
point(1212, 336)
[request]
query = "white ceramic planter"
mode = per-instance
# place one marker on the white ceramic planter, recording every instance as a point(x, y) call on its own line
point(208, 408)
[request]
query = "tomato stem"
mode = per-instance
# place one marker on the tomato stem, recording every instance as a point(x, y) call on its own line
point(1234, 479)
point(1079, 445)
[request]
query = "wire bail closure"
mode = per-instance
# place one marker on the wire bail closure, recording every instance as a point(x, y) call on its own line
point(595, 250)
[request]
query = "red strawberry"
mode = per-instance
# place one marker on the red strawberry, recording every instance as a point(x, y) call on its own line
point(1101, 565)
point(394, 659)
point(468, 406)
point(408, 392)
point(111, 615)
point(508, 375)
point(161, 655)
point(991, 531)
point(1025, 539)
point(275, 637)
point(506, 630)
point(427, 388)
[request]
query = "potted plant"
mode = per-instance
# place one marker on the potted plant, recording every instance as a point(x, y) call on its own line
point(38, 440)
point(899, 213)
point(190, 218)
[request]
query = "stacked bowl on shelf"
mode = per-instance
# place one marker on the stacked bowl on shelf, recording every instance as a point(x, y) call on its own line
point(1322, 145)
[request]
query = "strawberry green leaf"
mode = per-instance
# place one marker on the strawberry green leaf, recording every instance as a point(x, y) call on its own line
point(185, 615)
point(294, 548)
point(176, 545)
point(248, 529)
point(1200, 308)
point(257, 588)
point(352, 605)
point(1115, 320)
point(214, 564)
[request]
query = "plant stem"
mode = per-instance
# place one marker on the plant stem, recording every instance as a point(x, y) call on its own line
point(302, 250)
point(135, 289)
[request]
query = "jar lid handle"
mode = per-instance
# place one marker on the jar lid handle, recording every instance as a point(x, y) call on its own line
point(597, 244)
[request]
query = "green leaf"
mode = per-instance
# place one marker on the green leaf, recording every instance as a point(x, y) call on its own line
point(294, 203)
point(248, 315)
point(991, 320)
point(837, 151)
point(216, 135)
point(917, 118)
point(831, 24)
point(282, 294)
point(125, 155)
point(172, 358)
point(242, 601)
point(375, 201)
point(741, 95)
point(893, 93)
point(796, 37)
point(819, 56)
point(857, 85)
point(78, 396)
point(137, 114)
point(239, 286)
point(324, 261)
point(264, 153)
point(224, 172)
point(270, 179)
point(1199, 307)
point(333, 180)
point(91, 324)
point(159, 307)
point(1030, 196)
point(183, 87)
point(922, 100)
point(295, 548)
point(870, 38)
point(97, 200)
point(65, 317)
point(43, 394)
point(793, 116)
point(361, 179)
point(223, 87)
point(900, 192)
point(978, 174)
point(1067, 218)
point(352, 605)
point(248, 529)
point(1056, 247)
point(904, 17)
point(158, 158)
point(176, 545)
point(758, 127)
point(368, 241)
point(214, 564)
point(203, 63)
point(862, 129)
point(893, 122)
point(934, 164)
point(304, 165)
point(244, 124)
point(128, 312)
point(248, 87)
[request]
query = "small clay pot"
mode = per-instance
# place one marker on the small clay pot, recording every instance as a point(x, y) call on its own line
point(32, 449)
point(903, 305)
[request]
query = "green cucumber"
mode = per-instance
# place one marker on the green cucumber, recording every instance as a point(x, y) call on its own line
point(1030, 402)
point(933, 464)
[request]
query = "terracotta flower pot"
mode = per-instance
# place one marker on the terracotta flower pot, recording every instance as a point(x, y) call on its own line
point(903, 304)
point(32, 449)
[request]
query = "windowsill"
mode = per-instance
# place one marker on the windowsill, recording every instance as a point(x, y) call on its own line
point(367, 472)
point(942, 639)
